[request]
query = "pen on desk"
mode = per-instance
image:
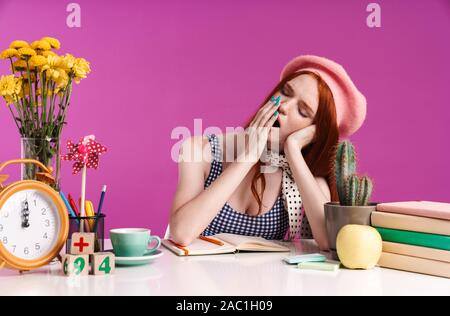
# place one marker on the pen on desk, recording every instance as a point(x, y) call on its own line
point(100, 206)
point(69, 208)
point(214, 241)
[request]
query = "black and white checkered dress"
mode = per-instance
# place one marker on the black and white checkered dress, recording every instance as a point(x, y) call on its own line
point(271, 225)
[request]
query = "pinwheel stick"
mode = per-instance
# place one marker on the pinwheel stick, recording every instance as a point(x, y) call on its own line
point(83, 196)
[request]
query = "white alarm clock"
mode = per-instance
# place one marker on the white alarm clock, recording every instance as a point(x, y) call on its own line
point(34, 224)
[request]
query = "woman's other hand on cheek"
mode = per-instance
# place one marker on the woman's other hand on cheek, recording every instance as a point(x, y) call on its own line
point(300, 139)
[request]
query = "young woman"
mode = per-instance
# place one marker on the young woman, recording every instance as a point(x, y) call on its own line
point(226, 191)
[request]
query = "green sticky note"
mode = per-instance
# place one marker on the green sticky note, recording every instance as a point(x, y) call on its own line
point(319, 266)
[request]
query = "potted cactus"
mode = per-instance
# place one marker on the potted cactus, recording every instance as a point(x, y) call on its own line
point(354, 194)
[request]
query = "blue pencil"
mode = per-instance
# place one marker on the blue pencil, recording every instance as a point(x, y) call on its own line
point(100, 205)
point(69, 208)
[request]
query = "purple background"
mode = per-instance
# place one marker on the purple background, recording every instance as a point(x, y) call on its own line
point(160, 64)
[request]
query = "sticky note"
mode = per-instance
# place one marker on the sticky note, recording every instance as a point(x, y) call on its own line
point(313, 257)
point(319, 266)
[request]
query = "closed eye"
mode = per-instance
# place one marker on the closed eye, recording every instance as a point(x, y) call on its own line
point(283, 91)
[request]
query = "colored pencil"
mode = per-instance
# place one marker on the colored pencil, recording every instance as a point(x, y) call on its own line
point(69, 208)
point(100, 206)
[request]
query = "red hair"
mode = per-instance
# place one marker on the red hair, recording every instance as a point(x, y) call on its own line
point(320, 154)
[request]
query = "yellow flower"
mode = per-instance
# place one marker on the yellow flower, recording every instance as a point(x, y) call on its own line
point(53, 62)
point(47, 53)
point(54, 43)
point(67, 62)
point(63, 79)
point(26, 52)
point(20, 65)
point(51, 68)
point(81, 68)
point(59, 76)
point(37, 61)
point(52, 74)
point(10, 88)
point(40, 45)
point(18, 44)
point(9, 53)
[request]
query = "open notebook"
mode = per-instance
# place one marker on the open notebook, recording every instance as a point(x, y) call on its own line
point(224, 243)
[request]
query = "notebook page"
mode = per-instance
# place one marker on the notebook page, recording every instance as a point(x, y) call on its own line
point(238, 240)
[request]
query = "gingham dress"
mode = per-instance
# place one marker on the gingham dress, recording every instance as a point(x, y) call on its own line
point(271, 225)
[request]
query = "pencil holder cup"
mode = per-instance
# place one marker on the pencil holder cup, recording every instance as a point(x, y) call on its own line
point(91, 224)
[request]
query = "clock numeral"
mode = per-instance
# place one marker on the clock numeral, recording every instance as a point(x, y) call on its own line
point(35, 204)
point(37, 246)
point(47, 223)
point(44, 211)
point(45, 236)
point(1, 228)
point(5, 240)
point(26, 251)
point(14, 248)
point(6, 214)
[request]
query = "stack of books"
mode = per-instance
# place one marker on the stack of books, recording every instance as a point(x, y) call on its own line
point(416, 236)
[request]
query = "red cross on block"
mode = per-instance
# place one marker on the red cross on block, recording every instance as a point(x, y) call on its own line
point(82, 244)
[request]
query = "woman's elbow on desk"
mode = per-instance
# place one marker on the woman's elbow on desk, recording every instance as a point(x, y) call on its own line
point(182, 241)
point(180, 236)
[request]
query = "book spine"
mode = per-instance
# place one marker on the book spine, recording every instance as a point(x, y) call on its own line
point(417, 265)
point(415, 238)
point(411, 223)
point(424, 211)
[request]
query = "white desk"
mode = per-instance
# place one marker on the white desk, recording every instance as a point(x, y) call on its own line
point(231, 274)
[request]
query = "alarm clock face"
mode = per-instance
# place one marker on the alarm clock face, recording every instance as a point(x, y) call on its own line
point(29, 224)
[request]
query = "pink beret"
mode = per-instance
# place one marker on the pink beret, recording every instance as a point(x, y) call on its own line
point(350, 103)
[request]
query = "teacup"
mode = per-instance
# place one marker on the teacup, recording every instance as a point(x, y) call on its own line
point(133, 242)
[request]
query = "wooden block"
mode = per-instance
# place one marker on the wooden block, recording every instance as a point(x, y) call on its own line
point(82, 244)
point(75, 265)
point(103, 263)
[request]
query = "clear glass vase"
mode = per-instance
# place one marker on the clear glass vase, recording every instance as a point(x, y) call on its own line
point(45, 150)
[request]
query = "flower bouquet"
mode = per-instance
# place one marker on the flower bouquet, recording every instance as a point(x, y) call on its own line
point(37, 94)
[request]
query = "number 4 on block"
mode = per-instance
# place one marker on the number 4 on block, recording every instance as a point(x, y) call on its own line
point(103, 263)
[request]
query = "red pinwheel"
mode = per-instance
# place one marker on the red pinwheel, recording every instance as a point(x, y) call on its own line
point(85, 153)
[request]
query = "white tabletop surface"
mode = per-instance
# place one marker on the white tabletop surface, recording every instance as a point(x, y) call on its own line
point(228, 274)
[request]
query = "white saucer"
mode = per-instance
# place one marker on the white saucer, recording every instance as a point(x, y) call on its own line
point(137, 261)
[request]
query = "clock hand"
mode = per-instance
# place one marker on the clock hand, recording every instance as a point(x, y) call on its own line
point(25, 215)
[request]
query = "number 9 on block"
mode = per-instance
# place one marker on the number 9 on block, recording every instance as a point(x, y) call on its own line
point(75, 265)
